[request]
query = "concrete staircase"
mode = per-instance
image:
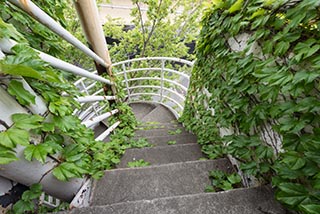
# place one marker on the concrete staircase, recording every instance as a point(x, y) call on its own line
point(176, 179)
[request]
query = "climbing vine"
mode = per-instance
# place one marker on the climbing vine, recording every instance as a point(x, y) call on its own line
point(255, 87)
point(56, 134)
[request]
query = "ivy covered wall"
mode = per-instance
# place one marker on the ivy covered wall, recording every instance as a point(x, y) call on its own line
point(257, 76)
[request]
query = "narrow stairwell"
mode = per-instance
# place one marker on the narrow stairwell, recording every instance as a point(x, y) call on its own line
point(176, 179)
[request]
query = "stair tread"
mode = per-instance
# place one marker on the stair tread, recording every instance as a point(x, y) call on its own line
point(131, 184)
point(159, 114)
point(163, 140)
point(162, 154)
point(141, 109)
point(257, 200)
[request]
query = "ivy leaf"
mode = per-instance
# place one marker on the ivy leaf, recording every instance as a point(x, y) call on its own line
point(264, 152)
point(236, 6)
point(281, 48)
point(39, 152)
point(293, 160)
point(291, 193)
point(20, 70)
point(7, 156)
point(11, 137)
point(22, 207)
point(65, 171)
point(66, 123)
point(23, 96)
point(48, 127)
point(234, 178)
point(26, 121)
point(34, 192)
point(311, 208)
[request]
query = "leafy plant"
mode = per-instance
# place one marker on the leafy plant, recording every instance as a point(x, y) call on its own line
point(56, 134)
point(221, 181)
point(139, 143)
point(28, 200)
point(257, 70)
point(138, 163)
point(175, 132)
point(172, 142)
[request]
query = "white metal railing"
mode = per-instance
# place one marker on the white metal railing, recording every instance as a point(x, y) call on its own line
point(152, 79)
point(90, 117)
point(169, 77)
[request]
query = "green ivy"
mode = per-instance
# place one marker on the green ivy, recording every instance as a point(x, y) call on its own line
point(61, 135)
point(277, 85)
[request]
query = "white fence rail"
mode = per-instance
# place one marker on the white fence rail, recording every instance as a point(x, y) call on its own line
point(153, 79)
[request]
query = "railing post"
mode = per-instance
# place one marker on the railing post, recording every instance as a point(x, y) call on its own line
point(126, 79)
point(162, 80)
point(89, 16)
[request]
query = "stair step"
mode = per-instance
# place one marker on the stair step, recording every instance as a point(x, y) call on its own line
point(146, 183)
point(159, 132)
point(142, 109)
point(163, 140)
point(162, 155)
point(258, 200)
point(156, 125)
point(159, 114)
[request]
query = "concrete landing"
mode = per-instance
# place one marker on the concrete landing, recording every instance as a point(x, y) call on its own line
point(257, 200)
point(162, 154)
point(141, 109)
point(146, 183)
point(159, 114)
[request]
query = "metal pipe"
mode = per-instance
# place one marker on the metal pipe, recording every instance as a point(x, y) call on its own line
point(38, 14)
point(26, 172)
point(162, 77)
point(6, 45)
point(126, 79)
point(107, 132)
point(89, 17)
point(154, 69)
point(159, 87)
point(87, 99)
point(99, 118)
point(156, 58)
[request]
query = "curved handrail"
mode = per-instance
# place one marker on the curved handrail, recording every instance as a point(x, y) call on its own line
point(169, 86)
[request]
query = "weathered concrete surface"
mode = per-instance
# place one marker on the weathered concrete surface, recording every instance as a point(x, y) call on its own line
point(145, 183)
point(162, 154)
point(141, 109)
point(159, 132)
point(257, 200)
point(163, 140)
point(160, 114)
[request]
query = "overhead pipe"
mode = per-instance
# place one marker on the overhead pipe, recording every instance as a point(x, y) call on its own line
point(6, 45)
point(89, 17)
point(33, 10)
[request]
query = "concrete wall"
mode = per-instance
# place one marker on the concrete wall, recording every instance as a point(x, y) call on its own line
point(118, 9)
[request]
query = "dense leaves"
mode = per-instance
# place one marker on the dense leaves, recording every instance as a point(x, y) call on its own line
point(257, 76)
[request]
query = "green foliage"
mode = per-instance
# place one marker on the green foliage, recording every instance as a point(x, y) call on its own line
point(27, 203)
point(175, 132)
point(272, 79)
point(139, 143)
point(57, 134)
point(168, 25)
point(138, 163)
point(221, 181)
point(172, 142)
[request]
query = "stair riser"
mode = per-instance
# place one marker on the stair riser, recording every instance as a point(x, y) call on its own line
point(163, 155)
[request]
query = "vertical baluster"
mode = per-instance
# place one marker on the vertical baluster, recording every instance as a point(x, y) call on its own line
point(126, 79)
